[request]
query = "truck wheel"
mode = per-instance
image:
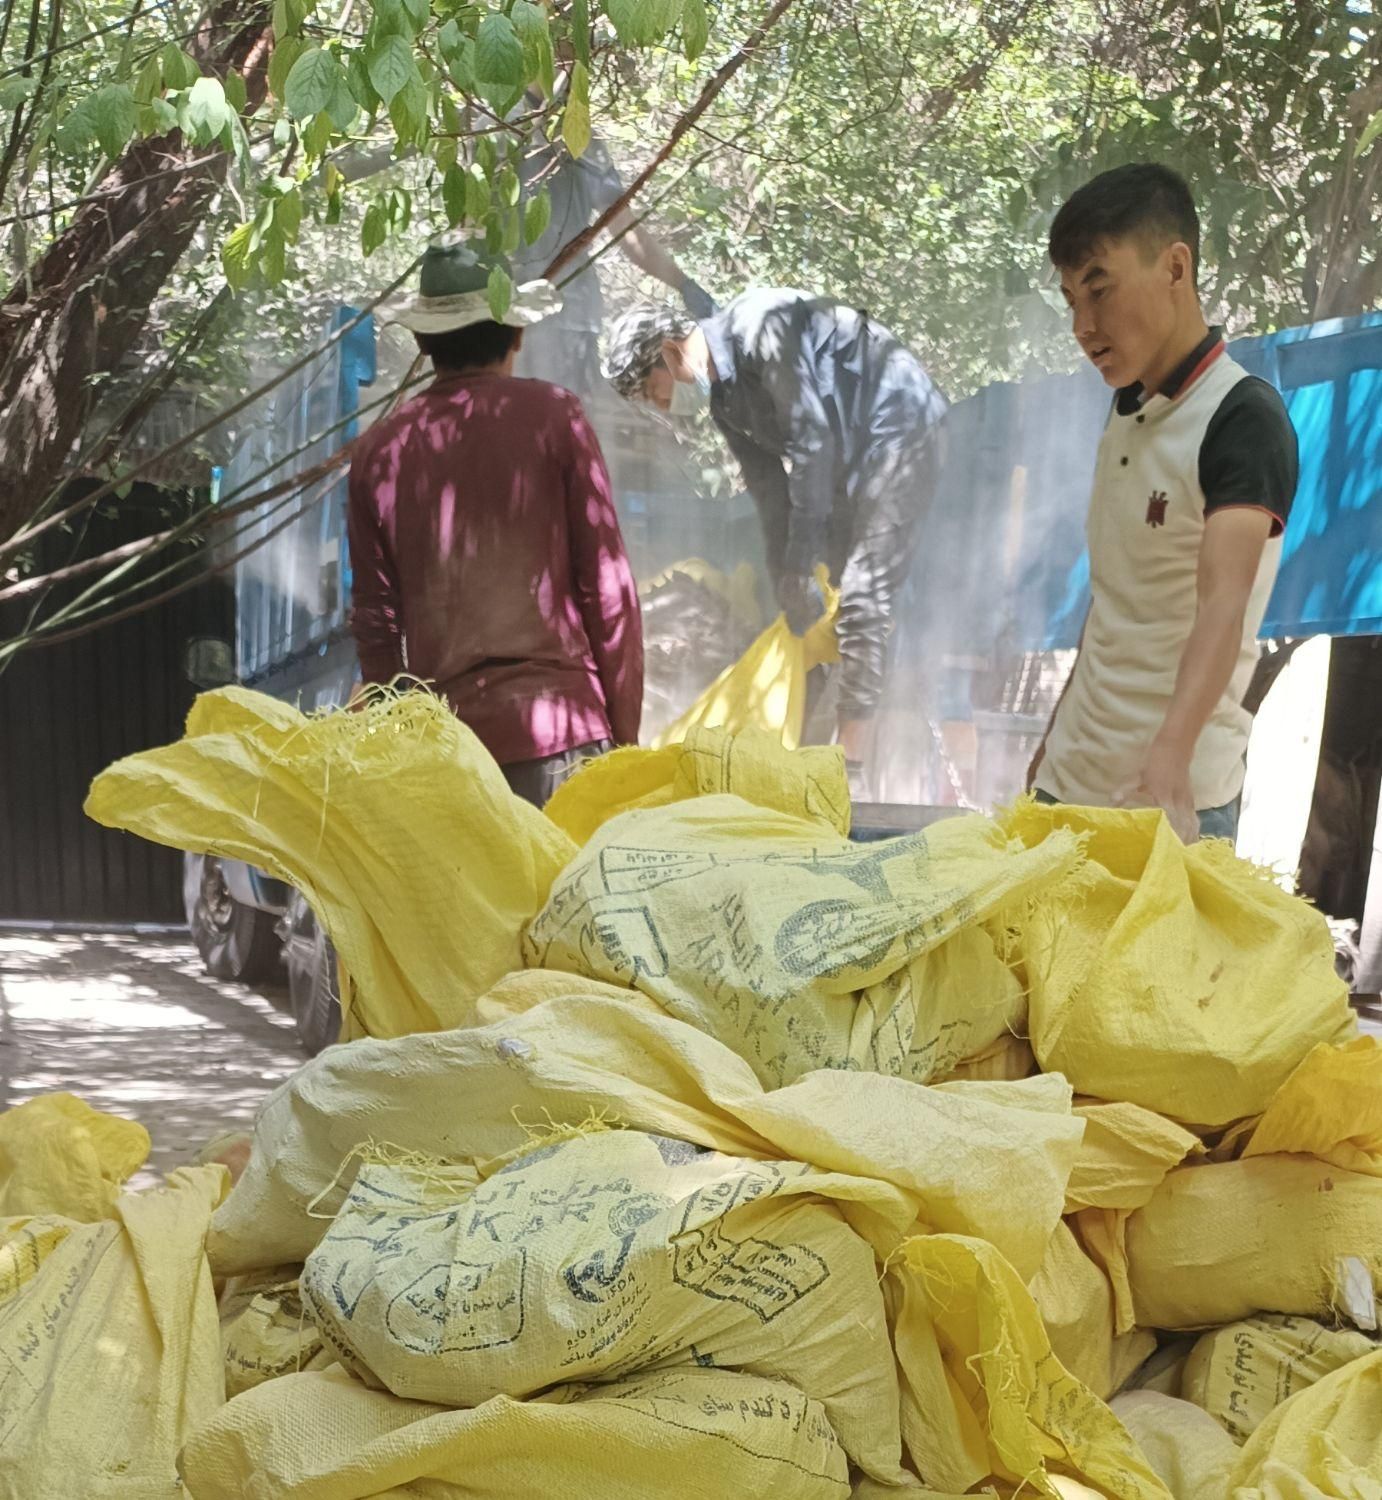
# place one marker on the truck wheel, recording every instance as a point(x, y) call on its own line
point(312, 981)
point(236, 942)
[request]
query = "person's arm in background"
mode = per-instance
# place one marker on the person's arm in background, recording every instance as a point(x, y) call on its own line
point(376, 619)
point(1230, 556)
point(766, 481)
point(1041, 748)
point(640, 246)
point(603, 581)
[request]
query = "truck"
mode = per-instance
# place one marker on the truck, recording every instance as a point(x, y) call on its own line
point(986, 625)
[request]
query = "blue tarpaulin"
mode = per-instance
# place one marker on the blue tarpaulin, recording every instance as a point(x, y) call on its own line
point(1021, 461)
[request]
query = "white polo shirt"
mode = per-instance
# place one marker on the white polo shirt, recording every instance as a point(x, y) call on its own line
point(1214, 437)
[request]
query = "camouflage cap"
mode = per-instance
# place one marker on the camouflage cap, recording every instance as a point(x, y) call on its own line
point(635, 344)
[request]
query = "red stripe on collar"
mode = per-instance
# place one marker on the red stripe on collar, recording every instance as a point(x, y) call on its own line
point(1199, 369)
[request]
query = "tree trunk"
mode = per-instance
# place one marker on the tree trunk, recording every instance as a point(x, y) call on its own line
point(85, 301)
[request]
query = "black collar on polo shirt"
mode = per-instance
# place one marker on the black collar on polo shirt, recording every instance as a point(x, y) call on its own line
point(1130, 398)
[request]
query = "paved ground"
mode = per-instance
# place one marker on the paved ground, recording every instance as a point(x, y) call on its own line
point(134, 1024)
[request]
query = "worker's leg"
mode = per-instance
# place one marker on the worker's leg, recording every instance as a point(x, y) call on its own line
point(536, 780)
point(889, 499)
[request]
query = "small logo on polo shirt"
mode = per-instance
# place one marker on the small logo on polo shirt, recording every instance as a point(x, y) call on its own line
point(1156, 508)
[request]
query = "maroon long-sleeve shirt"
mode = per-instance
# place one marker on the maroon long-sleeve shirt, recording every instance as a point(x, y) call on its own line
point(488, 560)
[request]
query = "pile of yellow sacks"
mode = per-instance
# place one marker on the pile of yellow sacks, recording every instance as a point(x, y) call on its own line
point(683, 1147)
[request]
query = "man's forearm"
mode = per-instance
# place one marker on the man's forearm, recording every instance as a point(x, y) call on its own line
point(651, 257)
point(1206, 668)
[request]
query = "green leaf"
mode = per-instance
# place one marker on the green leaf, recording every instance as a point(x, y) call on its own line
point(313, 84)
point(14, 91)
point(513, 232)
point(237, 96)
point(317, 137)
point(454, 195)
point(508, 187)
point(358, 82)
point(288, 214)
point(113, 115)
point(530, 22)
point(286, 52)
point(695, 28)
point(498, 59)
point(500, 290)
point(204, 113)
point(575, 124)
point(179, 70)
point(158, 118)
point(390, 19)
point(580, 31)
point(237, 257)
point(147, 85)
point(476, 195)
point(274, 260)
point(487, 156)
point(408, 113)
point(375, 229)
point(537, 215)
point(443, 151)
point(460, 67)
point(1370, 133)
point(418, 11)
point(494, 232)
point(391, 67)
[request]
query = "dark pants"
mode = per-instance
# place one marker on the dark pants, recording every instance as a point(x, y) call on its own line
point(889, 496)
point(1215, 822)
point(536, 780)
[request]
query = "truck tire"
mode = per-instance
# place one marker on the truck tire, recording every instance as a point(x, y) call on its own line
point(236, 942)
point(312, 980)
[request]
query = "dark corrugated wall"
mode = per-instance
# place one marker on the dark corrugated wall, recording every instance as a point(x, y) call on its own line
point(67, 711)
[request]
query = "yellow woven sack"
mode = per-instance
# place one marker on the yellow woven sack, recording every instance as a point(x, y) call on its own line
point(766, 687)
point(394, 822)
point(60, 1156)
point(692, 1434)
point(983, 1395)
point(1241, 1373)
point(109, 1351)
point(1125, 1156)
point(1323, 1444)
point(785, 942)
point(1184, 981)
point(607, 1254)
point(983, 1159)
point(752, 764)
point(1075, 1301)
point(1285, 1234)
point(1330, 1107)
point(264, 1331)
point(1190, 1453)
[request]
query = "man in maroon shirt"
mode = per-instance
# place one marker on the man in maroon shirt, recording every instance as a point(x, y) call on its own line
point(484, 543)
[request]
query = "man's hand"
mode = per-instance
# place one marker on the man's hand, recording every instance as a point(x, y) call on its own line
point(1164, 782)
point(800, 600)
point(699, 303)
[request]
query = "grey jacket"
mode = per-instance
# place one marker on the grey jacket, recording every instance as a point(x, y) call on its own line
point(812, 397)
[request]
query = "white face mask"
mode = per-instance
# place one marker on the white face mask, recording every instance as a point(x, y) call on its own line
point(690, 399)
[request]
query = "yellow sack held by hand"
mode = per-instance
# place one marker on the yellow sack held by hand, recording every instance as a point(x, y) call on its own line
point(766, 687)
point(692, 1434)
point(394, 822)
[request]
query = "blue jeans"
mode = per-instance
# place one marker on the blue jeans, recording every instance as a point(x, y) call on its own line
point(1215, 822)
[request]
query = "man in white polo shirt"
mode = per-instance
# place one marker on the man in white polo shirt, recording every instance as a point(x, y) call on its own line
point(1193, 485)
